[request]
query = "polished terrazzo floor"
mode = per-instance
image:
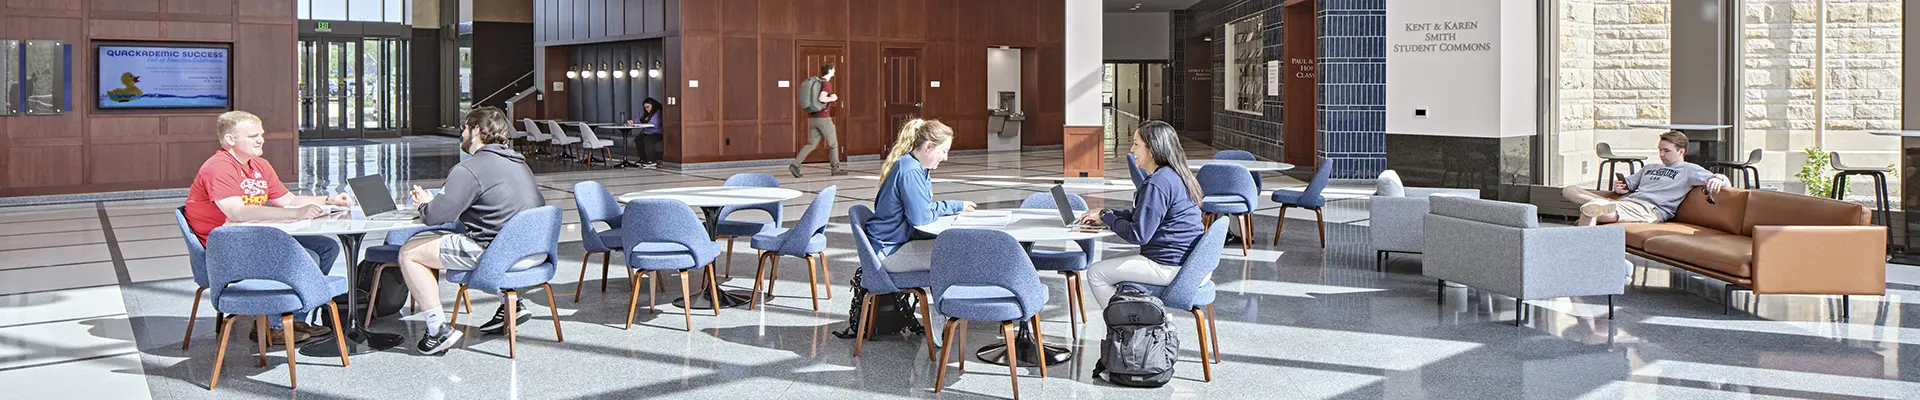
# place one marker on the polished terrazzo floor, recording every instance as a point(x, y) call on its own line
point(94, 298)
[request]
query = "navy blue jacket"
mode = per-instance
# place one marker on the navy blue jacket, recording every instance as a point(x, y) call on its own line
point(1163, 221)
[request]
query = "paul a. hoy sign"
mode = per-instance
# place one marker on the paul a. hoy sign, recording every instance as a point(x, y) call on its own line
point(1200, 74)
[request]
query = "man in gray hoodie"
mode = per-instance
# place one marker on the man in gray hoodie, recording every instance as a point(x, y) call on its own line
point(481, 193)
point(1653, 193)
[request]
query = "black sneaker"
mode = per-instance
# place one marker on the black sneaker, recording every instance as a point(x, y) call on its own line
point(795, 169)
point(499, 323)
point(435, 344)
point(839, 172)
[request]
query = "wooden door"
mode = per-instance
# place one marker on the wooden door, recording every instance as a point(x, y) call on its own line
point(905, 92)
point(1199, 75)
point(1300, 71)
point(811, 57)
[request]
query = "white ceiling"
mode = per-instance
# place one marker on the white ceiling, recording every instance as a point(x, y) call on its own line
point(1148, 5)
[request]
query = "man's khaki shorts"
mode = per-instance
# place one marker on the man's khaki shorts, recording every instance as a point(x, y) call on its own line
point(1634, 211)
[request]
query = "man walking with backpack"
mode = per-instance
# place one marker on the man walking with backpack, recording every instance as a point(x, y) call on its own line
point(815, 95)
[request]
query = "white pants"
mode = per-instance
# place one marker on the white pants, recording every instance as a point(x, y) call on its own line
point(916, 255)
point(1107, 274)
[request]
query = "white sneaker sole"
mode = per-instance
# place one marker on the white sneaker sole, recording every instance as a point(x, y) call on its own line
point(1597, 208)
point(452, 338)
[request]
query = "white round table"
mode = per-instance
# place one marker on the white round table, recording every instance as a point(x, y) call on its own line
point(710, 199)
point(1252, 166)
point(350, 227)
point(1026, 226)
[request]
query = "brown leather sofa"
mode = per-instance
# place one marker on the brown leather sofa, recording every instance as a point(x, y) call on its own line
point(1770, 243)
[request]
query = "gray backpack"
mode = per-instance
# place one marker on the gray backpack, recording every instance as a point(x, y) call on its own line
point(1140, 347)
point(810, 95)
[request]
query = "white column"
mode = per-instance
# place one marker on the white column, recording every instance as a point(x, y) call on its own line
point(1084, 57)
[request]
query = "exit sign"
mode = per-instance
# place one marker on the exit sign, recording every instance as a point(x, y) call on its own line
point(323, 27)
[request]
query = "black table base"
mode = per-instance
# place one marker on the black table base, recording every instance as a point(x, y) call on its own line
point(704, 299)
point(359, 339)
point(996, 354)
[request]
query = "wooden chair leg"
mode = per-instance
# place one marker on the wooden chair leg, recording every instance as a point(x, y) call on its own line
point(1013, 357)
point(605, 257)
point(225, 326)
point(195, 312)
point(262, 334)
point(286, 331)
point(372, 295)
point(1213, 330)
point(759, 277)
point(866, 324)
point(513, 322)
point(926, 318)
point(339, 340)
point(582, 287)
point(1040, 342)
point(713, 289)
point(633, 299)
point(813, 282)
point(1280, 225)
point(555, 311)
point(1079, 288)
point(826, 278)
point(1246, 233)
point(1320, 216)
point(458, 298)
point(939, 376)
point(1206, 362)
point(687, 313)
point(730, 257)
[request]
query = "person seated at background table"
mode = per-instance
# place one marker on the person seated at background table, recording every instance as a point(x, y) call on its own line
point(1165, 219)
point(482, 193)
point(649, 138)
point(1650, 195)
point(905, 199)
point(236, 184)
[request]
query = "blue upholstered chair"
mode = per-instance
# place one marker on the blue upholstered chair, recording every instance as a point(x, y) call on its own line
point(664, 235)
point(1069, 263)
point(1134, 172)
point(1240, 155)
point(984, 275)
point(1192, 290)
point(878, 281)
point(1310, 199)
point(1230, 190)
point(260, 271)
point(526, 253)
point(387, 255)
point(729, 229)
point(595, 204)
point(807, 240)
point(197, 259)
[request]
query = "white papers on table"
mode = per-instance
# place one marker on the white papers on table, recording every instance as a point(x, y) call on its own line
point(983, 219)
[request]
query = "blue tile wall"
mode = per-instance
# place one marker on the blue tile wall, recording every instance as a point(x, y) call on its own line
point(1352, 86)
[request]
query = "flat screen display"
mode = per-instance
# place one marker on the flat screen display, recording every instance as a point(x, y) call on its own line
point(163, 77)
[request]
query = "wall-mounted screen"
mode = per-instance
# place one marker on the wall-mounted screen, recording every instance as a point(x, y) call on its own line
point(162, 77)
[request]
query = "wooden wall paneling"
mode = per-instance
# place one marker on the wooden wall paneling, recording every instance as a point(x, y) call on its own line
point(825, 19)
point(905, 20)
point(701, 54)
point(264, 11)
point(200, 32)
point(616, 17)
point(52, 5)
point(557, 103)
point(741, 80)
point(139, 6)
point(123, 29)
point(966, 95)
point(740, 17)
point(1084, 152)
point(219, 8)
point(972, 17)
point(779, 105)
point(741, 139)
point(1049, 117)
point(672, 61)
point(1051, 12)
point(5, 138)
point(34, 166)
point(701, 17)
point(270, 101)
point(136, 162)
point(124, 130)
point(867, 132)
point(777, 18)
point(942, 20)
point(865, 17)
point(183, 159)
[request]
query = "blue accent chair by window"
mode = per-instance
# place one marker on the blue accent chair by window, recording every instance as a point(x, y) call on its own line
point(525, 254)
point(1068, 263)
point(664, 235)
point(1240, 155)
point(878, 281)
point(595, 204)
point(1229, 189)
point(1192, 290)
point(1310, 199)
point(260, 271)
point(984, 275)
point(807, 240)
point(729, 229)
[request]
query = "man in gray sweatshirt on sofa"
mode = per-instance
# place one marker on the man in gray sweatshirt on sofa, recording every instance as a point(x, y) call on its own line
point(1650, 195)
point(481, 193)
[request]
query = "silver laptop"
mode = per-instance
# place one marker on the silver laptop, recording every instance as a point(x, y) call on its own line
point(376, 201)
point(1067, 214)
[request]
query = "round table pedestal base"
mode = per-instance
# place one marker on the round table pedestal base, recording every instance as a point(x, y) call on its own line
point(997, 354)
point(704, 300)
point(359, 342)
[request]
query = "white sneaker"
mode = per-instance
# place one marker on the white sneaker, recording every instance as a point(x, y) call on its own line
point(1629, 271)
point(1597, 208)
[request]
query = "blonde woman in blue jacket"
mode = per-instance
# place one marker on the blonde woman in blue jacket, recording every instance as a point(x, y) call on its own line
point(906, 199)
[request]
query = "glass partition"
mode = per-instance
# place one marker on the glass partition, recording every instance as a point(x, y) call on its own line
point(47, 79)
point(9, 77)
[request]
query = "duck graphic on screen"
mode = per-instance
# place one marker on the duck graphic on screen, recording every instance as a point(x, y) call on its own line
point(128, 93)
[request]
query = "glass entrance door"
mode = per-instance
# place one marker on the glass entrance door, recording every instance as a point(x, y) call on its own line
point(352, 88)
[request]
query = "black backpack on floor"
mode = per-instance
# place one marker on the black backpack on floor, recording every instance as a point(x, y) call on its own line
point(892, 313)
point(1140, 348)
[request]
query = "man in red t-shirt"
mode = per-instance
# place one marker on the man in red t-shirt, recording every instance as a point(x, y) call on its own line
point(820, 125)
point(237, 185)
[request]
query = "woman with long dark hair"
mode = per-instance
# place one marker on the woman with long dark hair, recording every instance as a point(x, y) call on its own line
point(649, 138)
point(1165, 219)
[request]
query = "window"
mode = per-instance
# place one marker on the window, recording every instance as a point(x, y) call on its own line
point(305, 9)
point(396, 11)
point(335, 10)
point(364, 10)
point(1613, 68)
point(1246, 68)
point(1816, 77)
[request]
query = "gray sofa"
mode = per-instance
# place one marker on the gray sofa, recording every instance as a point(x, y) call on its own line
point(1501, 248)
point(1396, 214)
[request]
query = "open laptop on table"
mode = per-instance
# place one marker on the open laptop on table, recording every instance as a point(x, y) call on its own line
point(1067, 214)
point(376, 201)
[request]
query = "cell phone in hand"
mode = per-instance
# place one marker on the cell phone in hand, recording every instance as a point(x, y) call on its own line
point(1619, 177)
